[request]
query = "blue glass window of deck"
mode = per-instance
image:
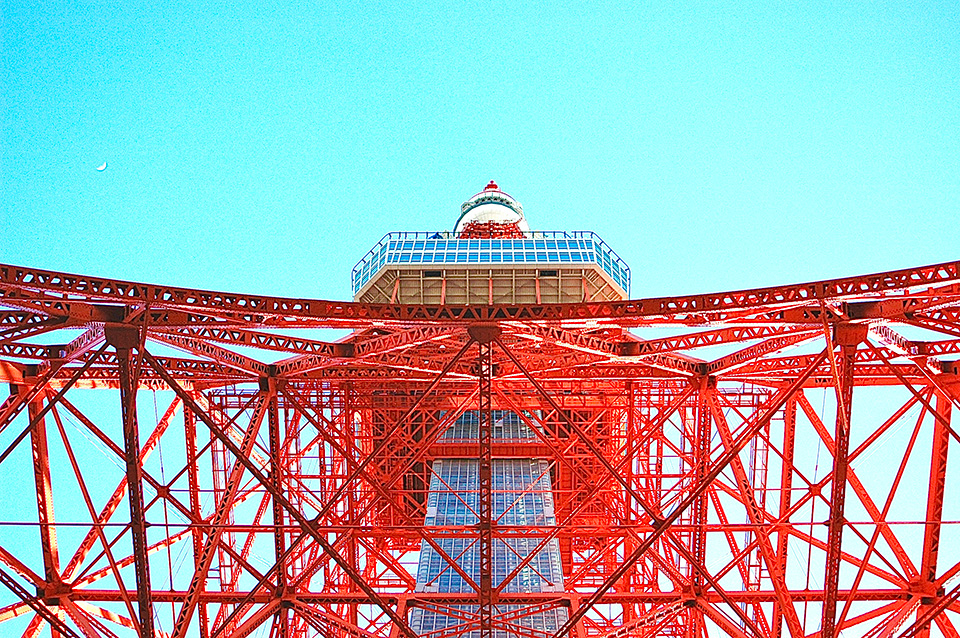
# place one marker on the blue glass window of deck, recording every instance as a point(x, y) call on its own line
point(590, 247)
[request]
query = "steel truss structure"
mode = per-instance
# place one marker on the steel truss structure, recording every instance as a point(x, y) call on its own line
point(766, 462)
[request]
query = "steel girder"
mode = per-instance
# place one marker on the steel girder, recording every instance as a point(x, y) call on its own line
point(203, 465)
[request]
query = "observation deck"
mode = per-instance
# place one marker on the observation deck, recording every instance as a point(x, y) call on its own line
point(487, 261)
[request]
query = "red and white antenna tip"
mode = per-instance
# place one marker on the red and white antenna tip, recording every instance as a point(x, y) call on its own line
point(492, 186)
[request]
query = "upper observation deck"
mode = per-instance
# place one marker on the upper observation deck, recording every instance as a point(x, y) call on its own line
point(490, 257)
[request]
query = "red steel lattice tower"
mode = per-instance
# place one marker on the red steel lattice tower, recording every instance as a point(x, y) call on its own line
point(769, 462)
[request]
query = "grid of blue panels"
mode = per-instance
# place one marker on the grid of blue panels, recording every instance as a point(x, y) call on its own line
point(544, 624)
point(547, 248)
point(522, 496)
point(507, 426)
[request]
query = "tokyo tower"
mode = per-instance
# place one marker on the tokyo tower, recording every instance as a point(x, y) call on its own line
point(505, 443)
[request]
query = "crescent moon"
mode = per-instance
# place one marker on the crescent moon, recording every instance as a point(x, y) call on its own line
point(102, 167)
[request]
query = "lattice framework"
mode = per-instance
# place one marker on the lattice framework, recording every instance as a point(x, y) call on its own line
point(752, 463)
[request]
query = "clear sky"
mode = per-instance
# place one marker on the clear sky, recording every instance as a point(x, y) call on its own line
point(264, 148)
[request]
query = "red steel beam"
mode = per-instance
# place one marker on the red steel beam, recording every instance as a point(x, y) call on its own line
point(124, 342)
point(848, 337)
point(41, 473)
point(484, 336)
point(276, 477)
point(786, 487)
point(13, 278)
point(701, 448)
point(934, 510)
point(470, 598)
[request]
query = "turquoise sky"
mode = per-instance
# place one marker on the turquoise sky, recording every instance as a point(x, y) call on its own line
point(264, 148)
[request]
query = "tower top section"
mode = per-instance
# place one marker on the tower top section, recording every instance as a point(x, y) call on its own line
point(491, 257)
point(491, 213)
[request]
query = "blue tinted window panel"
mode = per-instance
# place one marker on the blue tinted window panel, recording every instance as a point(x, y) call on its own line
point(430, 248)
point(522, 496)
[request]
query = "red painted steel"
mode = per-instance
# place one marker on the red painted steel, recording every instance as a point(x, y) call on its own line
point(478, 230)
point(205, 465)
